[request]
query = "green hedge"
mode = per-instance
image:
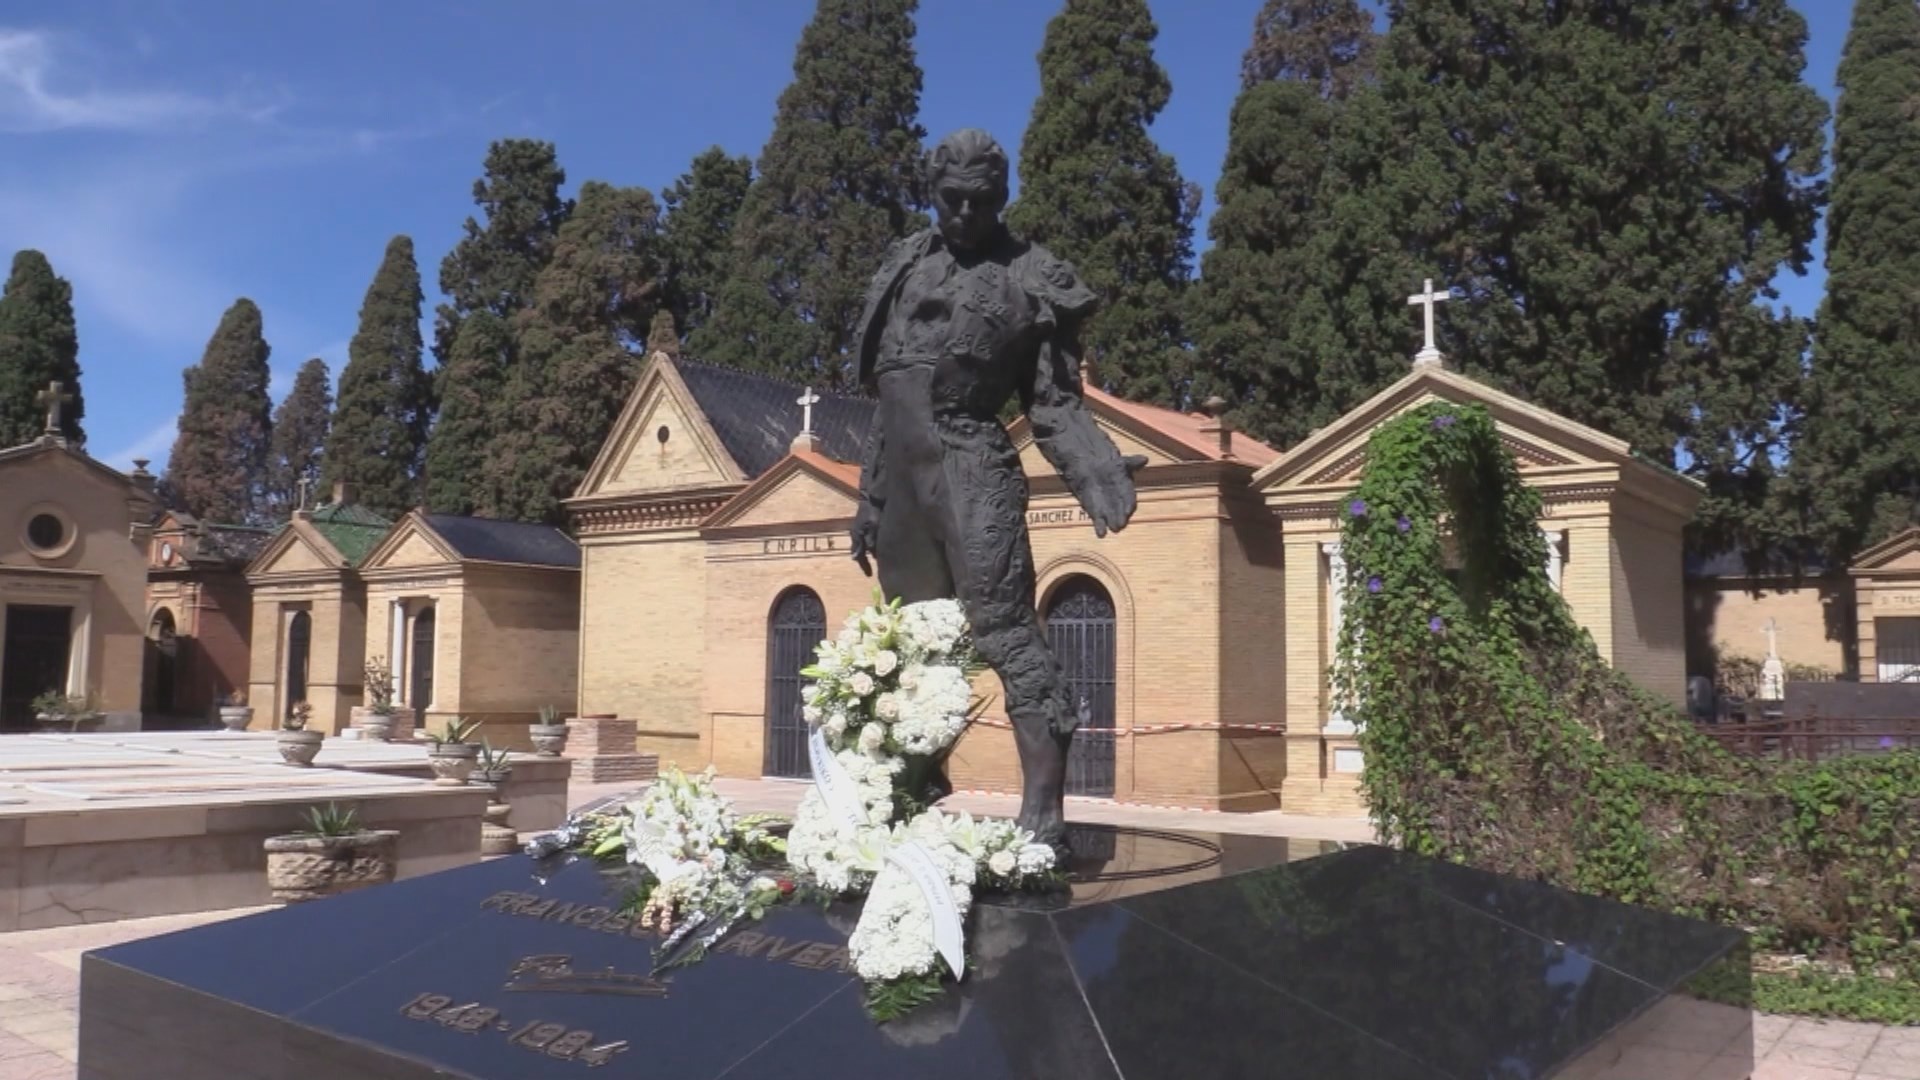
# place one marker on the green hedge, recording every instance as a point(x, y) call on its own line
point(1496, 736)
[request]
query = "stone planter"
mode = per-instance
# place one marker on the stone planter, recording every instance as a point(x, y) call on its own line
point(452, 762)
point(68, 725)
point(496, 777)
point(300, 747)
point(549, 740)
point(236, 717)
point(496, 838)
point(309, 867)
point(372, 725)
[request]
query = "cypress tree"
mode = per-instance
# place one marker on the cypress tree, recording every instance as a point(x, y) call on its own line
point(698, 236)
point(218, 467)
point(1857, 464)
point(492, 269)
point(463, 432)
point(1614, 189)
point(1260, 313)
point(839, 180)
point(380, 424)
point(1097, 191)
point(575, 346)
point(296, 449)
point(38, 344)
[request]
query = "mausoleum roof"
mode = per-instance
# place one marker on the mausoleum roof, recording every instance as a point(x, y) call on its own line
point(756, 416)
point(492, 540)
point(1195, 432)
point(352, 529)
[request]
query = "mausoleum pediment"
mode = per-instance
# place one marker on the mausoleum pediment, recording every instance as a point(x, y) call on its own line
point(1896, 553)
point(410, 544)
point(1162, 436)
point(297, 549)
point(804, 487)
point(662, 441)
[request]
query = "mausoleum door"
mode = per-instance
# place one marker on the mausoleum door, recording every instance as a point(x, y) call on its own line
point(163, 638)
point(1080, 630)
point(38, 644)
point(1898, 646)
point(420, 687)
point(794, 631)
point(299, 648)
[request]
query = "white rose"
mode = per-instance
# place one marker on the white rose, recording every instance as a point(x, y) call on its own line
point(837, 724)
point(861, 683)
point(1003, 862)
point(848, 638)
point(887, 707)
point(872, 737)
point(885, 661)
point(810, 713)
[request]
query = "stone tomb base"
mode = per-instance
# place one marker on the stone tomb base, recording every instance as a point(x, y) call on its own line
point(1181, 956)
point(602, 751)
point(95, 828)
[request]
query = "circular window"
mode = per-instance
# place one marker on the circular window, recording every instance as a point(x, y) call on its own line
point(663, 435)
point(49, 534)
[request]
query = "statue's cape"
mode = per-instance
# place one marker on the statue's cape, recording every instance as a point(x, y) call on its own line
point(1063, 294)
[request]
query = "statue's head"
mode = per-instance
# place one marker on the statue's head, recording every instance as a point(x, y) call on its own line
point(967, 178)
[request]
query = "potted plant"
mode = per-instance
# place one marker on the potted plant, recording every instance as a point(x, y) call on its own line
point(550, 734)
point(496, 837)
point(298, 746)
point(73, 711)
point(451, 755)
point(375, 719)
point(492, 767)
point(333, 854)
point(235, 713)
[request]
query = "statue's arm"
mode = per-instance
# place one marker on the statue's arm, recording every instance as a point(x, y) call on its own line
point(866, 518)
point(1100, 479)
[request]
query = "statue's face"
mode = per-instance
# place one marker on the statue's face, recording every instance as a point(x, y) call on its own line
point(968, 203)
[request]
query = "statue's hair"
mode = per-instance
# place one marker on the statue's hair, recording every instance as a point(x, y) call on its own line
point(967, 149)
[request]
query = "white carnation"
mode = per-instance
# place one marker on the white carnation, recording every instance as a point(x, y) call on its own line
point(1003, 862)
point(1035, 858)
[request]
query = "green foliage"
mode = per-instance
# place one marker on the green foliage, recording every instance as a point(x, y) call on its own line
point(573, 363)
point(218, 468)
point(549, 715)
point(457, 731)
point(697, 238)
point(839, 181)
point(1096, 190)
point(378, 685)
point(59, 708)
point(463, 433)
point(38, 344)
point(1467, 163)
point(295, 449)
point(892, 1000)
point(298, 717)
point(492, 760)
point(1845, 997)
point(1495, 735)
point(1857, 466)
point(1327, 45)
point(331, 821)
point(380, 426)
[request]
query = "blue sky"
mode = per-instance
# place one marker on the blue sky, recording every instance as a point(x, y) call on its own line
point(172, 155)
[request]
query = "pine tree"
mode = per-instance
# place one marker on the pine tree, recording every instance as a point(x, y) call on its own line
point(839, 180)
point(464, 432)
point(491, 269)
point(296, 450)
point(218, 468)
point(1097, 191)
point(662, 337)
point(1857, 465)
point(575, 351)
point(38, 344)
point(702, 207)
point(379, 431)
point(1260, 313)
point(1614, 190)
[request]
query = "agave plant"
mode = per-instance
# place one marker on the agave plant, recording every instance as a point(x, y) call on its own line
point(457, 730)
point(331, 821)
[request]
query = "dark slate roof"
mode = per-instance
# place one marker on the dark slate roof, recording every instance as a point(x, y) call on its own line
point(234, 543)
point(1733, 564)
point(506, 541)
point(352, 529)
point(757, 416)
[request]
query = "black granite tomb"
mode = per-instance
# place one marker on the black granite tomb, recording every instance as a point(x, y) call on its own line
point(1180, 956)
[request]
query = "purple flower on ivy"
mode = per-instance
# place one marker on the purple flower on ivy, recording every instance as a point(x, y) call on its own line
point(1404, 523)
point(1886, 742)
point(1358, 508)
point(1436, 624)
point(1373, 585)
point(1444, 421)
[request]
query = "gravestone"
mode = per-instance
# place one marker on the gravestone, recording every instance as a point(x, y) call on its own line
point(1179, 955)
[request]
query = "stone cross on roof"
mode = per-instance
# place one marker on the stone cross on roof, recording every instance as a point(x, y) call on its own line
point(53, 397)
point(806, 402)
point(305, 485)
point(1772, 630)
point(1429, 353)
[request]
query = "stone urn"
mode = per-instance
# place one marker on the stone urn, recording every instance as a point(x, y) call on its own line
point(549, 740)
point(452, 762)
point(307, 867)
point(377, 726)
point(496, 838)
point(300, 747)
point(236, 717)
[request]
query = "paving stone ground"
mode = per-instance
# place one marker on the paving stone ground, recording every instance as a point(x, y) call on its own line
point(40, 969)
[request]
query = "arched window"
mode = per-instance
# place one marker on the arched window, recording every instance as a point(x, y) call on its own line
point(299, 648)
point(163, 645)
point(1080, 630)
point(420, 685)
point(794, 630)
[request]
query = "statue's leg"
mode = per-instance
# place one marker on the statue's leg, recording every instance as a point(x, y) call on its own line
point(995, 580)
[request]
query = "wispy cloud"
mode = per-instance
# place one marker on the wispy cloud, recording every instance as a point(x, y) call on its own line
point(153, 446)
point(33, 97)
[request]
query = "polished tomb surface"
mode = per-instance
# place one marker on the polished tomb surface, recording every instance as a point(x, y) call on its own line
point(1179, 955)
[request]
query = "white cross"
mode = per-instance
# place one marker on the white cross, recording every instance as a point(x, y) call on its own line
point(1772, 629)
point(1429, 353)
point(305, 485)
point(53, 397)
point(806, 402)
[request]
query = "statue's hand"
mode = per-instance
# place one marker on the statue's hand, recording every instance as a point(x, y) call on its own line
point(1109, 499)
point(866, 535)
